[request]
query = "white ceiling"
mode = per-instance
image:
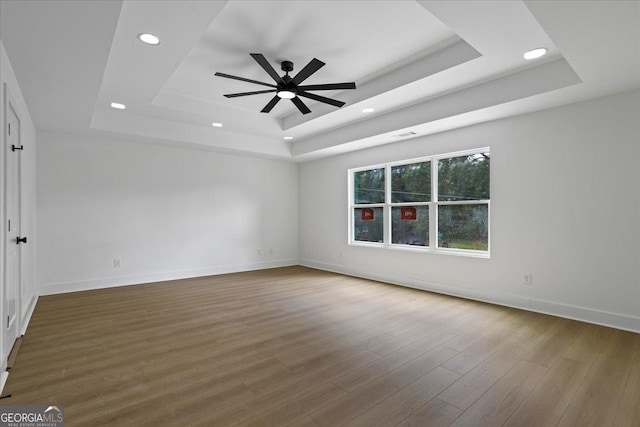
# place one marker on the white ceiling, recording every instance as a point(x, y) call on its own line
point(425, 66)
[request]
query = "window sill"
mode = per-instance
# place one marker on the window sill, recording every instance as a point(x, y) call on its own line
point(430, 250)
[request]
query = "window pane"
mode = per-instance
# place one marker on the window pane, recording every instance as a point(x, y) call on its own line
point(463, 227)
point(410, 231)
point(367, 223)
point(368, 186)
point(411, 183)
point(464, 178)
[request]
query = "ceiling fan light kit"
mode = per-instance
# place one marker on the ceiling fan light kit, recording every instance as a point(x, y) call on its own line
point(286, 94)
point(287, 87)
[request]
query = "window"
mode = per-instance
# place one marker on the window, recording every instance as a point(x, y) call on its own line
point(410, 197)
point(369, 196)
point(438, 204)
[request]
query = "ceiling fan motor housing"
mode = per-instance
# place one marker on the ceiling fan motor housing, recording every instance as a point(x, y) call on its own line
point(285, 89)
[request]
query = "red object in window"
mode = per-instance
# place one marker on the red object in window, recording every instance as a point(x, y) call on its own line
point(408, 213)
point(368, 214)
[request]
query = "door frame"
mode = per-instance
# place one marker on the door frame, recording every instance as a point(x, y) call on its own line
point(6, 342)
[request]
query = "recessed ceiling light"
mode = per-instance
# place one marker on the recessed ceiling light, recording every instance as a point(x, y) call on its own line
point(535, 53)
point(288, 137)
point(216, 125)
point(407, 134)
point(368, 110)
point(149, 39)
point(118, 106)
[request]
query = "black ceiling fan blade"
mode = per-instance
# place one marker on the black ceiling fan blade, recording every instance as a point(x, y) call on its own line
point(229, 76)
point(308, 69)
point(329, 86)
point(235, 95)
point(270, 104)
point(260, 59)
point(298, 103)
point(321, 98)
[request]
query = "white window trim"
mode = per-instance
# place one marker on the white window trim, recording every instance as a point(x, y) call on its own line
point(433, 211)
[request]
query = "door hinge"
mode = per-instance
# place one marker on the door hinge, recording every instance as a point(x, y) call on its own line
point(9, 128)
point(7, 322)
point(14, 148)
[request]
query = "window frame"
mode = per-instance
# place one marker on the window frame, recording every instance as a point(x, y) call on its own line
point(433, 207)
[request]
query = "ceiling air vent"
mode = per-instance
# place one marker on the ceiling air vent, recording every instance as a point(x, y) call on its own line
point(406, 134)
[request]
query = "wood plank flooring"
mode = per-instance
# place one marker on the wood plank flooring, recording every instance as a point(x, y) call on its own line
point(301, 347)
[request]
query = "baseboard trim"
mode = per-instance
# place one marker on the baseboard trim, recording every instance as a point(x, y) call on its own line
point(111, 282)
point(590, 315)
point(26, 318)
point(4, 375)
point(583, 314)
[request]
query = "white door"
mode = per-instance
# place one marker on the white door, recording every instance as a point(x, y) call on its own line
point(12, 266)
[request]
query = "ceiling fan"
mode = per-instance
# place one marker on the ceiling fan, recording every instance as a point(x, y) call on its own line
point(288, 87)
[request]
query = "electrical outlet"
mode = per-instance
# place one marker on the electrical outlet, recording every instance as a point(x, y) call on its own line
point(526, 279)
point(116, 263)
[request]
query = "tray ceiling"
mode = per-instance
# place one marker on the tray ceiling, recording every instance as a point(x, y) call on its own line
point(423, 66)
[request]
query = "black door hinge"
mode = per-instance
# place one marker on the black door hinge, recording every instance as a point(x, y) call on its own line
point(14, 148)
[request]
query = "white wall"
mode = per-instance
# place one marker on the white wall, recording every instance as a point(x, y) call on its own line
point(164, 212)
point(28, 195)
point(565, 206)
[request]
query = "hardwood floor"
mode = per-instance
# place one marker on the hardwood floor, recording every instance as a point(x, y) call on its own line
point(301, 347)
